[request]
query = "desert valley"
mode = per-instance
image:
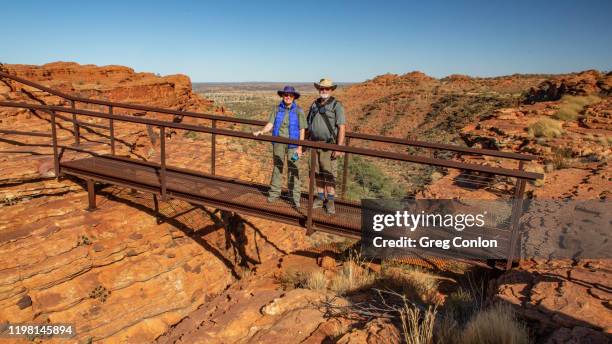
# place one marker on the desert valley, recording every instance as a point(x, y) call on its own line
point(186, 273)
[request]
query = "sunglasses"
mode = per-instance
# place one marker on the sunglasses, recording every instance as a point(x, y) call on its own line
point(289, 95)
point(324, 88)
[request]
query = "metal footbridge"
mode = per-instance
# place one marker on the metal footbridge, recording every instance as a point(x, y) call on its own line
point(234, 194)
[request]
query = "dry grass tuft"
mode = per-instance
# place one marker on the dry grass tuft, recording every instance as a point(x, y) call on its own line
point(605, 141)
point(417, 325)
point(562, 158)
point(414, 280)
point(461, 305)
point(545, 127)
point(447, 330)
point(352, 278)
point(291, 279)
point(316, 280)
point(495, 325)
point(571, 107)
point(354, 275)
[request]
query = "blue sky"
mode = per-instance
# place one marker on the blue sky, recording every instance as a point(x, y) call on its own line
point(304, 40)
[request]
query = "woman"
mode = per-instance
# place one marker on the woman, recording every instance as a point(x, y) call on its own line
point(289, 121)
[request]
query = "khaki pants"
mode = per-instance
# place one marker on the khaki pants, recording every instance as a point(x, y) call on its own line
point(326, 169)
point(280, 154)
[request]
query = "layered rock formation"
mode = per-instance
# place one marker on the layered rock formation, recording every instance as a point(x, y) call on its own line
point(116, 83)
point(579, 84)
point(122, 273)
point(126, 274)
point(496, 113)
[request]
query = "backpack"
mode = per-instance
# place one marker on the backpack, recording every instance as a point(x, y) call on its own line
point(333, 102)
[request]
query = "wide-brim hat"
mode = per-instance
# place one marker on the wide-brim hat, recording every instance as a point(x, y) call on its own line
point(288, 89)
point(325, 83)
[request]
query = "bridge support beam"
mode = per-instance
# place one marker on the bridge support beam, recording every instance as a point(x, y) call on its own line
point(158, 218)
point(311, 190)
point(56, 158)
point(213, 149)
point(345, 169)
point(517, 211)
point(76, 127)
point(91, 195)
point(111, 127)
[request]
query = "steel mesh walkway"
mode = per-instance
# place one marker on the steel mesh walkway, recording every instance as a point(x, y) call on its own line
point(207, 189)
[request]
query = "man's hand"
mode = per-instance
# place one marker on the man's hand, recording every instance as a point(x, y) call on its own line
point(336, 154)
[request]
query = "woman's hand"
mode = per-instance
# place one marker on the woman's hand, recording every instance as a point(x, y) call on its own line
point(299, 151)
point(264, 130)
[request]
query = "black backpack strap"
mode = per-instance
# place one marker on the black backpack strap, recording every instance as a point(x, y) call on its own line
point(327, 123)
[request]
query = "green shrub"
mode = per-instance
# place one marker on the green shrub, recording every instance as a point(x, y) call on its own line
point(366, 180)
point(545, 127)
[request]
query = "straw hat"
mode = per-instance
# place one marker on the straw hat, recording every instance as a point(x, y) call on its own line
point(325, 83)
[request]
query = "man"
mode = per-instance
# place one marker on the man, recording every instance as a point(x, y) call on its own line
point(286, 120)
point(326, 123)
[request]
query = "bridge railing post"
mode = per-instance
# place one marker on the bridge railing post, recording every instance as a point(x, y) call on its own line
point(517, 211)
point(56, 165)
point(111, 128)
point(162, 162)
point(311, 190)
point(75, 125)
point(91, 195)
point(213, 148)
point(345, 170)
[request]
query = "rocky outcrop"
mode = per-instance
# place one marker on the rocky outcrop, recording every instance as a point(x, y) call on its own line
point(258, 310)
point(375, 331)
point(579, 84)
point(122, 273)
point(565, 300)
point(117, 280)
point(29, 158)
point(114, 83)
point(598, 116)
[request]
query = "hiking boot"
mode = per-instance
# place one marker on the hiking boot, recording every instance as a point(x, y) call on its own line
point(330, 207)
point(296, 204)
point(318, 203)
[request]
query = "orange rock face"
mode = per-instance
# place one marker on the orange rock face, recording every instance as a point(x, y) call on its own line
point(116, 83)
point(118, 274)
point(126, 274)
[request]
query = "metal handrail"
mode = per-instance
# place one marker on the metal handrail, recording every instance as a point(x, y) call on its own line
point(375, 138)
point(305, 143)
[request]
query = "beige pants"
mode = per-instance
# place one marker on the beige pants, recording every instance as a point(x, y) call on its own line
point(282, 153)
point(326, 169)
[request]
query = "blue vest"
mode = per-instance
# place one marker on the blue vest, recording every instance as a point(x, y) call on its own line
point(294, 121)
